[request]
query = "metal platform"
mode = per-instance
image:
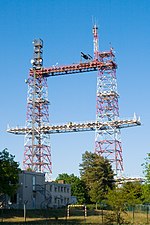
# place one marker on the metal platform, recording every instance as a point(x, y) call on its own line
point(76, 127)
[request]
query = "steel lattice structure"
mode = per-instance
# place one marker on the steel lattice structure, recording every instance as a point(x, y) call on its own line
point(77, 127)
point(37, 154)
point(107, 142)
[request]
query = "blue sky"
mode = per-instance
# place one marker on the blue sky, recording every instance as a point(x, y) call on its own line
point(66, 29)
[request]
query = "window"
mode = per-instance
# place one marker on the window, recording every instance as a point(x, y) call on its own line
point(55, 200)
point(64, 189)
point(61, 189)
point(13, 198)
point(33, 202)
point(50, 200)
point(33, 182)
point(55, 189)
point(50, 187)
point(68, 190)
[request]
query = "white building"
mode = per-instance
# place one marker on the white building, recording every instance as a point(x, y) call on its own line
point(57, 194)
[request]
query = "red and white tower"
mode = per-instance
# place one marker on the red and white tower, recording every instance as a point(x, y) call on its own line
point(37, 153)
point(107, 142)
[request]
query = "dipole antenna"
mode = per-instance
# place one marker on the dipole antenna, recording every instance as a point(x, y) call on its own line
point(95, 42)
point(37, 153)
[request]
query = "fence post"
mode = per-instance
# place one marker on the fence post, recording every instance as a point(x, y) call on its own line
point(68, 212)
point(133, 214)
point(85, 211)
point(24, 212)
point(25, 216)
point(102, 216)
point(147, 211)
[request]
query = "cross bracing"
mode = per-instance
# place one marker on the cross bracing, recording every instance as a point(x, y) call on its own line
point(37, 131)
point(77, 127)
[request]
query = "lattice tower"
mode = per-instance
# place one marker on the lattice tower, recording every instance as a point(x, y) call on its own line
point(37, 153)
point(107, 142)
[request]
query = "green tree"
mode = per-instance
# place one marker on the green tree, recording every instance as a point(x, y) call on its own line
point(146, 186)
point(9, 173)
point(133, 192)
point(146, 166)
point(97, 174)
point(146, 193)
point(116, 198)
point(129, 194)
point(78, 188)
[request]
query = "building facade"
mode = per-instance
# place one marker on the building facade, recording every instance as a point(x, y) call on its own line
point(31, 190)
point(58, 194)
point(35, 193)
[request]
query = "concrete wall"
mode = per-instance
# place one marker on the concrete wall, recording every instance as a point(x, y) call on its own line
point(31, 190)
point(57, 194)
point(36, 193)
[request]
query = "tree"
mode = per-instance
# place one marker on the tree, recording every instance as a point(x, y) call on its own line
point(146, 193)
point(78, 188)
point(116, 198)
point(146, 186)
point(97, 174)
point(129, 194)
point(9, 173)
point(146, 166)
point(133, 192)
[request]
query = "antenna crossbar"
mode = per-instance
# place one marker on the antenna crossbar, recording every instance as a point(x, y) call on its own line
point(74, 68)
point(77, 127)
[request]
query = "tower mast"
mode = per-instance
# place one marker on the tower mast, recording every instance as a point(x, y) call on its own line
point(95, 42)
point(37, 153)
point(107, 142)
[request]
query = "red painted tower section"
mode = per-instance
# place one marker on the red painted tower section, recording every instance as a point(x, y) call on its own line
point(107, 142)
point(37, 153)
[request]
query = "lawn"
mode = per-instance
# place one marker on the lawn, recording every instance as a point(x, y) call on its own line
point(58, 216)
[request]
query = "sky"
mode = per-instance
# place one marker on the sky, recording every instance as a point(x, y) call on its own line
point(66, 29)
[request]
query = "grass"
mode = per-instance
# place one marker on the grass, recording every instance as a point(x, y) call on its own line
point(58, 216)
point(138, 218)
